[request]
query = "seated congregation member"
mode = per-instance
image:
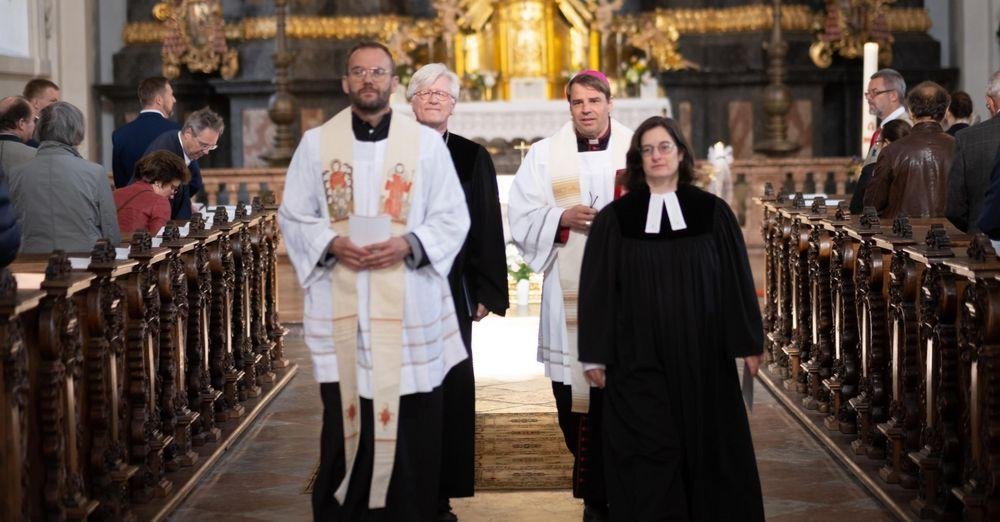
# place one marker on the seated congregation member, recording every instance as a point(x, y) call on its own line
point(10, 230)
point(478, 277)
point(911, 176)
point(62, 200)
point(890, 132)
point(199, 136)
point(17, 126)
point(129, 142)
point(667, 302)
point(145, 204)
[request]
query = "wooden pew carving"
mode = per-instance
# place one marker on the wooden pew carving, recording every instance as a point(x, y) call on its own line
point(225, 375)
point(201, 392)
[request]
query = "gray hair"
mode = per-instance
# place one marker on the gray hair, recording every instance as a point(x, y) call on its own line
point(993, 86)
point(61, 122)
point(893, 81)
point(202, 119)
point(429, 74)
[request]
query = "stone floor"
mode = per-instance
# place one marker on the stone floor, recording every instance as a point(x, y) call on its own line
point(264, 475)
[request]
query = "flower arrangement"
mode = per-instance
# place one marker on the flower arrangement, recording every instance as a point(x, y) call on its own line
point(636, 70)
point(517, 269)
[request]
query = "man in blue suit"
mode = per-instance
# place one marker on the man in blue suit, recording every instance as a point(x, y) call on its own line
point(131, 140)
point(199, 136)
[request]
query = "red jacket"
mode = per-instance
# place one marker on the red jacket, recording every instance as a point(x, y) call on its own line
point(139, 207)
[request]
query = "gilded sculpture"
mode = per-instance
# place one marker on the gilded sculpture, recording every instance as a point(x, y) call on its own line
point(196, 38)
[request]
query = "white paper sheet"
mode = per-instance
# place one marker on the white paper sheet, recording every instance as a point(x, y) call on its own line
point(369, 230)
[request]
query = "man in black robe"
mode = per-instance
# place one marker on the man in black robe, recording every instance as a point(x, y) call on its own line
point(478, 277)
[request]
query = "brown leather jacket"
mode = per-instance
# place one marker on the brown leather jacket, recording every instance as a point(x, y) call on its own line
point(911, 175)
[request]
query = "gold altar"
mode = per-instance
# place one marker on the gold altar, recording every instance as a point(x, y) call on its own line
point(526, 38)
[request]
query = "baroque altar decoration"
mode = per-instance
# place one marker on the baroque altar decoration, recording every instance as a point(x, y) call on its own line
point(195, 37)
point(847, 26)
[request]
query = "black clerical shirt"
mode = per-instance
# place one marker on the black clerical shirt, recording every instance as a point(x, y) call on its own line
point(363, 131)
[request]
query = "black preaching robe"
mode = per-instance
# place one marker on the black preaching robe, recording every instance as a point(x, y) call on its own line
point(668, 313)
point(478, 275)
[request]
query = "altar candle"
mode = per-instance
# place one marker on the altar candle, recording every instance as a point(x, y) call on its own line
point(868, 122)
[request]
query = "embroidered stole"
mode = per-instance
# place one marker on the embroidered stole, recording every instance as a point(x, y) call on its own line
point(566, 189)
point(386, 297)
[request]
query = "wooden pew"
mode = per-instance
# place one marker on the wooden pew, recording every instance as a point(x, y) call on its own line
point(54, 463)
point(978, 430)
point(908, 259)
point(18, 501)
point(914, 354)
point(842, 384)
point(937, 387)
point(108, 409)
point(818, 365)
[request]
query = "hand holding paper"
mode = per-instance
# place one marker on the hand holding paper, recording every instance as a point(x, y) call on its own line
point(387, 253)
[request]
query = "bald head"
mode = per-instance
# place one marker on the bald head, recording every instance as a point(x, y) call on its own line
point(927, 102)
point(17, 117)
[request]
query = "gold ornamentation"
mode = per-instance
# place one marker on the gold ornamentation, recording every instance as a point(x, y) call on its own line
point(687, 22)
point(194, 36)
point(845, 28)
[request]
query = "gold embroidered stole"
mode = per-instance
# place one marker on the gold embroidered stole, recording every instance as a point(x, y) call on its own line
point(386, 296)
point(566, 190)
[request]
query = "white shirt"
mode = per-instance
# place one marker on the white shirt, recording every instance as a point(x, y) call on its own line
point(898, 113)
point(432, 343)
point(187, 160)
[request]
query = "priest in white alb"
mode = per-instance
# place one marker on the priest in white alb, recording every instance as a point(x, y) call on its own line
point(561, 184)
point(371, 226)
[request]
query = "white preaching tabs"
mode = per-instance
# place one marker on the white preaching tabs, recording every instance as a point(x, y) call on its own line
point(653, 215)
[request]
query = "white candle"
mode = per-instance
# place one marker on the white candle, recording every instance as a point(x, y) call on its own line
point(868, 122)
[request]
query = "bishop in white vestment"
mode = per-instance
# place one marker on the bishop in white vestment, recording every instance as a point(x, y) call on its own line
point(561, 184)
point(380, 447)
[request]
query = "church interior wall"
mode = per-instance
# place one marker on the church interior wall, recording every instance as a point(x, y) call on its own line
point(720, 99)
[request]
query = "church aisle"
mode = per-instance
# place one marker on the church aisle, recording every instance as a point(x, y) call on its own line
point(264, 475)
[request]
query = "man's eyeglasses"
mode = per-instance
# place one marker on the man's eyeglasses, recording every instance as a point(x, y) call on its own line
point(429, 95)
point(663, 148)
point(376, 73)
point(872, 94)
point(205, 146)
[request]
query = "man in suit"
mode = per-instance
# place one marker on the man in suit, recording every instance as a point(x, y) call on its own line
point(129, 142)
point(40, 93)
point(975, 151)
point(199, 136)
point(17, 126)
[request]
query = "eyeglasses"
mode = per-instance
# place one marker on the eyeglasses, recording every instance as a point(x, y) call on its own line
point(359, 73)
point(205, 146)
point(872, 94)
point(429, 95)
point(663, 148)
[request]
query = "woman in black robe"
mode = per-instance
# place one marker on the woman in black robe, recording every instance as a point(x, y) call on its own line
point(667, 301)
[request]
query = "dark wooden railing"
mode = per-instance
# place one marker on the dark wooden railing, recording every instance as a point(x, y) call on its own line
point(884, 339)
point(124, 381)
